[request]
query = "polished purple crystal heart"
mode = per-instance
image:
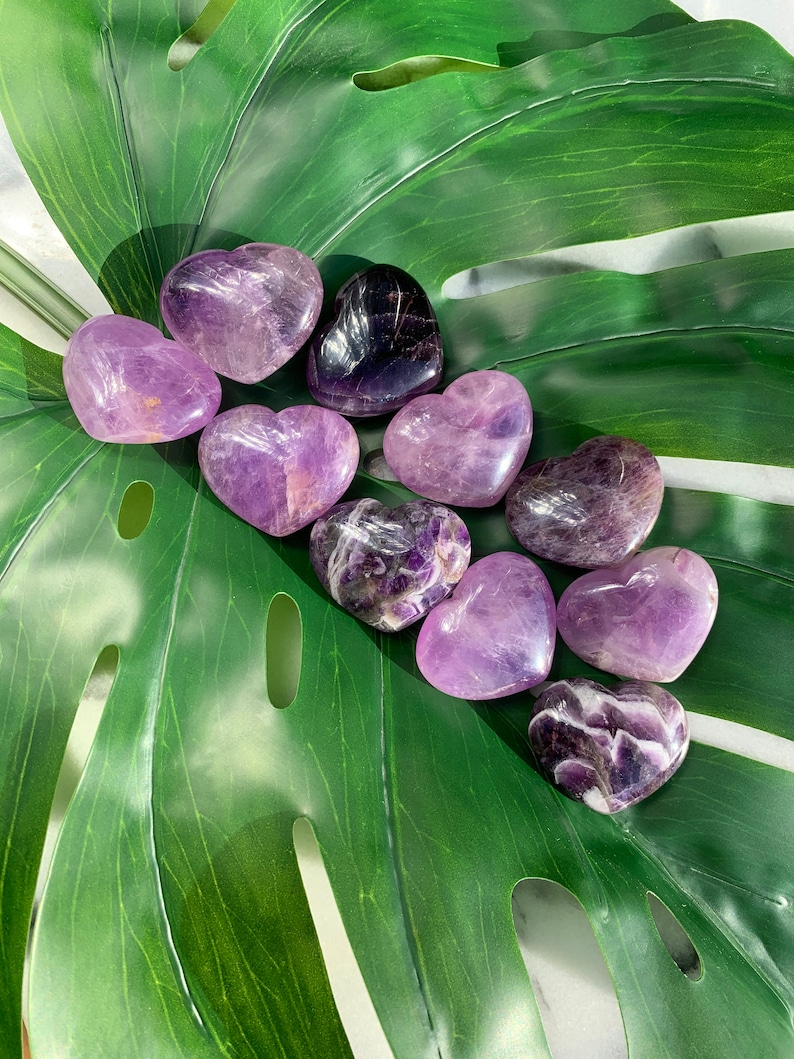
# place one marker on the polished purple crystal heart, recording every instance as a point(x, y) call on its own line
point(245, 311)
point(646, 618)
point(593, 508)
point(463, 446)
point(608, 747)
point(383, 348)
point(129, 384)
point(279, 470)
point(495, 635)
point(388, 567)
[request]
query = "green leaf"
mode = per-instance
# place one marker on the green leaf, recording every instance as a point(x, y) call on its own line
point(174, 920)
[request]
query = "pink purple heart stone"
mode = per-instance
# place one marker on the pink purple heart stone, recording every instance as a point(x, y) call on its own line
point(388, 567)
point(245, 312)
point(495, 635)
point(463, 446)
point(129, 384)
point(382, 349)
point(593, 508)
point(279, 470)
point(646, 618)
point(608, 747)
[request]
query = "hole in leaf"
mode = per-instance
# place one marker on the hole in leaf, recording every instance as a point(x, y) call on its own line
point(353, 1002)
point(571, 982)
point(417, 68)
point(640, 255)
point(135, 510)
point(374, 463)
point(283, 650)
point(185, 46)
point(675, 939)
point(78, 746)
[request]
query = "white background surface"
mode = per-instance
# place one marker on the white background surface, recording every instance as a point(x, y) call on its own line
point(579, 1008)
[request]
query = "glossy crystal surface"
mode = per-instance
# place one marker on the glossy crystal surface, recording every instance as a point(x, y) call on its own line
point(495, 635)
point(279, 470)
point(463, 446)
point(129, 384)
point(389, 566)
point(593, 508)
point(608, 747)
point(646, 618)
point(382, 349)
point(245, 312)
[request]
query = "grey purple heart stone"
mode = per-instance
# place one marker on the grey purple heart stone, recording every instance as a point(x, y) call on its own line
point(383, 348)
point(608, 747)
point(593, 508)
point(385, 566)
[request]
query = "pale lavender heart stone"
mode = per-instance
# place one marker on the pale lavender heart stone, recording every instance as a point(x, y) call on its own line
point(389, 566)
point(129, 384)
point(495, 635)
point(608, 747)
point(593, 508)
point(279, 470)
point(245, 311)
point(646, 618)
point(463, 446)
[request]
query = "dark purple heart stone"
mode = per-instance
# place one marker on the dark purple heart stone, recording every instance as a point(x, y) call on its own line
point(608, 747)
point(245, 312)
point(388, 567)
point(383, 348)
point(591, 509)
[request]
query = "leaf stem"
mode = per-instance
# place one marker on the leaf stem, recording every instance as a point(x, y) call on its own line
point(38, 293)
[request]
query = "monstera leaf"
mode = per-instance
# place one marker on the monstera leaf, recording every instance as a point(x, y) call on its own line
point(174, 921)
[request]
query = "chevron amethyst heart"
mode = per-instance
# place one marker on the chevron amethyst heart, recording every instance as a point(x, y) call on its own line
point(388, 567)
point(593, 508)
point(608, 747)
point(245, 312)
point(495, 635)
point(129, 384)
point(278, 470)
point(382, 349)
point(646, 618)
point(463, 446)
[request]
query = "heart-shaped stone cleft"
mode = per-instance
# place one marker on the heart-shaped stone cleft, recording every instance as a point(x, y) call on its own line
point(593, 508)
point(245, 312)
point(279, 470)
point(646, 618)
point(383, 348)
point(495, 635)
point(608, 747)
point(388, 567)
point(130, 385)
point(463, 446)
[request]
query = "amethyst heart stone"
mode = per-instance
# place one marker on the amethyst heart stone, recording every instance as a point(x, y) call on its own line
point(246, 311)
point(463, 446)
point(646, 618)
point(495, 635)
point(383, 348)
point(278, 470)
point(128, 384)
point(389, 567)
point(608, 747)
point(593, 508)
